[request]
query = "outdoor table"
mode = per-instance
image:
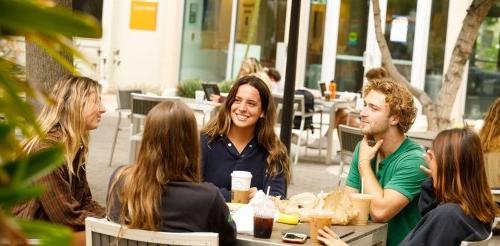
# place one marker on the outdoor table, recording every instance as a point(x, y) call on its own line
point(332, 106)
point(371, 234)
point(205, 107)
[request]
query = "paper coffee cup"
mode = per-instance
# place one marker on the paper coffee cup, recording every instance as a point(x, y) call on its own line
point(319, 219)
point(362, 203)
point(240, 186)
point(199, 95)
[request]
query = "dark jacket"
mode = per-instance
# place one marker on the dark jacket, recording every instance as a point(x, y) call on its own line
point(186, 207)
point(444, 224)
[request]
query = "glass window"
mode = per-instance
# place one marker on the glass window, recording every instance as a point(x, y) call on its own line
point(315, 43)
point(435, 48)
point(483, 83)
point(269, 30)
point(351, 43)
point(400, 33)
point(205, 39)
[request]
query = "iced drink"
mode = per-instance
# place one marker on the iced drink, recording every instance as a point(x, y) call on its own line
point(362, 203)
point(240, 186)
point(263, 218)
point(319, 219)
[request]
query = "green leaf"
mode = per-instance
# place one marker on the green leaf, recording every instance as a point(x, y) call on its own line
point(16, 194)
point(35, 165)
point(49, 234)
point(27, 17)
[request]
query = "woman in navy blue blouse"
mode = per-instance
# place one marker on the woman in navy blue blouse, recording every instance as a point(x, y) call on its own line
point(241, 137)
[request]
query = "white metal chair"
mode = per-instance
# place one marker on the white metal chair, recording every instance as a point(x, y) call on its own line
point(478, 243)
point(100, 232)
point(141, 104)
point(124, 101)
point(349, 137)
point(299, 110)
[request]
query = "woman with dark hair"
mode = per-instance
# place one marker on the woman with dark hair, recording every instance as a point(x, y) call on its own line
point(162, 191)
point(241, 137)
point(456, 202)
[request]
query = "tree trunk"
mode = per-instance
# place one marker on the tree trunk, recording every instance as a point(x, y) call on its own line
point(41, 69)
point(476, 13)
point(439, 113)
point(422, 97)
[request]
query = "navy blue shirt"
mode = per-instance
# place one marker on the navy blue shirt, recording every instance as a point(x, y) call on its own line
point(220, 158)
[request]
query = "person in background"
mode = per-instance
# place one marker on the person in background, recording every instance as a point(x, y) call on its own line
point(67, 199)
point(490, 132)
point(390, 168)
point(241, 137)
point(277, 86)
point(162, 190)
point(490, 142)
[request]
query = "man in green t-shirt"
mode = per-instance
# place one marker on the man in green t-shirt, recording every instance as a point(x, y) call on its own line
point(390, 168)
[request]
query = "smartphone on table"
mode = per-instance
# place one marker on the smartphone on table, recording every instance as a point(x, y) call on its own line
point(290, 237)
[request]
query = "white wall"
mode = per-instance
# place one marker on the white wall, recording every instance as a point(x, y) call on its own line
point(147, 60)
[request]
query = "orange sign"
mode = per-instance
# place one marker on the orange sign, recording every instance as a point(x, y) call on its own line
point(143, 15)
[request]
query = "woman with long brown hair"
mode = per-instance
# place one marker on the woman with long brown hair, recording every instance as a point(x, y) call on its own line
point(455, 202)
point(162, 191)
point(76, 110)
point(241, 137)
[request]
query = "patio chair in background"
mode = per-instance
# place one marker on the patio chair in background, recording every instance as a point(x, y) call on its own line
point(100, 232)
point(123, 101)
point(299, 110)
point(348, 138)
point(141, 104)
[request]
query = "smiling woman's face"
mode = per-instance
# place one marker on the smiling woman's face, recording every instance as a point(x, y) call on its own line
point(246, 108)
point(93, 111)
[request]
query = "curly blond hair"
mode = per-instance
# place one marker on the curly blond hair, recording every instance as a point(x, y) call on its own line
point(399, 99)
point(490, 133)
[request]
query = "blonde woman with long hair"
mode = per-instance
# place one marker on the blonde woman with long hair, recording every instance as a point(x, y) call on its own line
point(490, 132)
point(67, 199)
point(162, 190)
point(241, 137)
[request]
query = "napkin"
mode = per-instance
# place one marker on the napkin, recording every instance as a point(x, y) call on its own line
point(243, 217)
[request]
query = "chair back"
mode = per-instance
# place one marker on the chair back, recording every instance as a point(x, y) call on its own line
point(141, 104)
point(478, 243)
point(349, 137)
point(298, 102)
point(125, 99)
point(100, 232)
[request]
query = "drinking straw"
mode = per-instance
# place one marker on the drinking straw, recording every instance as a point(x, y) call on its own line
point(267, 193)
point(362, 185)
point(321, 201)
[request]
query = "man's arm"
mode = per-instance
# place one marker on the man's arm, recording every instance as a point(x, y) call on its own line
point(386, 203)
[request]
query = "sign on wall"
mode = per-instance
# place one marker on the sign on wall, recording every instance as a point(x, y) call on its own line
point(143, 15)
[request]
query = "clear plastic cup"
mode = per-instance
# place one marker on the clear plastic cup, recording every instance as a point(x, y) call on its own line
point(319, 219)
point(362, 203)
point(263, 218)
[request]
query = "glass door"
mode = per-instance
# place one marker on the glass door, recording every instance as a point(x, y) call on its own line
point(315, 42)
point(259, 38)
point(351, 44)
point(205, 39)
